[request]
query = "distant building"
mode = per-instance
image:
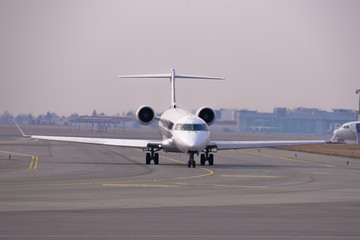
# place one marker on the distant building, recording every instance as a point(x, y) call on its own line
point(283, 120)
point(224, 126)
point(103, 123)
point(297, 121)
point(226, 114)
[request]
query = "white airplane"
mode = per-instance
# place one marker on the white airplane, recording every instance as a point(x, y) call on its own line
point(348, 131)
point(181, 130)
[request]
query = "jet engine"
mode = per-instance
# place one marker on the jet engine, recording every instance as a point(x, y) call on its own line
point(145, 115)
point(207, 114)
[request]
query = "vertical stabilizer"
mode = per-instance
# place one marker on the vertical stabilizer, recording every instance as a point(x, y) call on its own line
point(172, 82)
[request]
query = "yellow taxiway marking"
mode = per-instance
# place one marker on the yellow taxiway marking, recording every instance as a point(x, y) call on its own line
point(221, 185)
point(140, 185)
point(34, 163)
point(210, 172)
point(15, 153)
point(286, 158)
point(250, 176)
point(130, 183)
point(173, 160)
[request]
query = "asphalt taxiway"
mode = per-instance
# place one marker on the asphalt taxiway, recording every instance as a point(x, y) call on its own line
point(54, 190)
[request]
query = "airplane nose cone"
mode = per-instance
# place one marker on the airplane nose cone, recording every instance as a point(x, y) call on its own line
point(193, 142)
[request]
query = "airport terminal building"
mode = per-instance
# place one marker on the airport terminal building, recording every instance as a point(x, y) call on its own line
point(283, 120)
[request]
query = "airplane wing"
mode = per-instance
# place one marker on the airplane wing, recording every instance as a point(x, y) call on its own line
point(130, 143)
point(228, 145)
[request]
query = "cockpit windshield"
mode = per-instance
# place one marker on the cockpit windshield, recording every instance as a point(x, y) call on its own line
point(192, 127)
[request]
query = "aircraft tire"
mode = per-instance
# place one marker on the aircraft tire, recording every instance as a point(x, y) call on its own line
point(202, 159)
point(211, 159)
point(148, 158)
point(156, 159)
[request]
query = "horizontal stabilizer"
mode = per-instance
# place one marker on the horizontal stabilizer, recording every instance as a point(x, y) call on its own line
point(172, 76)
point(166, 75)
point(199, 77)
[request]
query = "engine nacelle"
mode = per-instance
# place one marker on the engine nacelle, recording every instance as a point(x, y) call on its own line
point(207, 114)
point(145, 115)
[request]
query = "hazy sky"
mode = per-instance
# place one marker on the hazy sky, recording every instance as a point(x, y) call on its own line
point(63, 56)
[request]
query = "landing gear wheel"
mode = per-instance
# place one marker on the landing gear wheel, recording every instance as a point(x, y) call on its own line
point(152, 155)
point(207, 157)
point(148, 158)
point(202, 159)
point(191, 163)
point(156, 159)
point(211, 159)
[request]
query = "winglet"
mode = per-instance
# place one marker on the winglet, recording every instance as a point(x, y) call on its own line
point(20, 129)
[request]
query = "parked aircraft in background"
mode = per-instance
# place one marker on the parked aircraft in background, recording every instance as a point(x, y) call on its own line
point(181, 130)
point(348, 131)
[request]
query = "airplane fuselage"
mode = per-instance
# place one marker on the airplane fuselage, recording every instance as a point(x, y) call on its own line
point(183, 131)
point(348, 131)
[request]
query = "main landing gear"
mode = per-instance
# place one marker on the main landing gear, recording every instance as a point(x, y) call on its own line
point(152, 155)
point(206, 157)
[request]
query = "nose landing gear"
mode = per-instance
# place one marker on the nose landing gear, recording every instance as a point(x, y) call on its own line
point(191, 162)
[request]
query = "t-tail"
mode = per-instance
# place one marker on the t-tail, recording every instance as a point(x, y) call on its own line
point(172, 76)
